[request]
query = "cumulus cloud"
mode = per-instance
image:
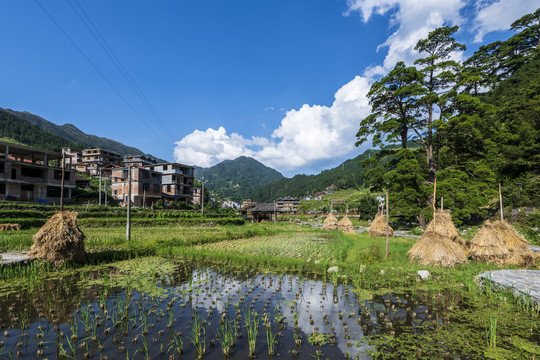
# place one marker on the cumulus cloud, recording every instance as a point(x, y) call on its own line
point(499, 15)
point(307, 135)
point(316, 134)
point(414, 19)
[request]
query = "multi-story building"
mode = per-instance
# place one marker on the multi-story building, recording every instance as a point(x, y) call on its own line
point(96, 158)
point(287, 204)
point(177, 181)
point(145, 185)
point(32, 174)
point(139, 160)
point(73, 157)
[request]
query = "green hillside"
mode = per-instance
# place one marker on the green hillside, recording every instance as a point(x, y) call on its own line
point(72, 134)
point(237, 178)
point(23, 132)
point(348, 174)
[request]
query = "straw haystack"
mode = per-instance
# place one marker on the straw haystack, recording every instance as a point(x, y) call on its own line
point(330, 223)
point(346, 225)
point(378, 226)
point(442, 224)
point(60, 240)
point(437, 249)
point(500, 243)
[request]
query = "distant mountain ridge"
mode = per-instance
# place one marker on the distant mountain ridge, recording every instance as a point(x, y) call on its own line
point(348, 174)
point(74, 135)
point(237, 178)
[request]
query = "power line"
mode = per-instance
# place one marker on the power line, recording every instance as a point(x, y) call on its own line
point(100, 73)
point(83, 15)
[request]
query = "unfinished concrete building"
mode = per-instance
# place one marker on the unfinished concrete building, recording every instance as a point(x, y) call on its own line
point(32, 174)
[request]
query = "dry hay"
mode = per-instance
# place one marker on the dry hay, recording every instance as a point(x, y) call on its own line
point(60, 240)
point(7, 227)
point(442, 224)
point(346, 225)
point(500, 243)
point(330, 223)
point(378, 226)
point(437, 250)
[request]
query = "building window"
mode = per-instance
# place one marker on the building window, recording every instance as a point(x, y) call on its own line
point(165, 167)
point(2, 188)
point(156, 188)
point(145, 186)
point(115, 191)
point(168, 188)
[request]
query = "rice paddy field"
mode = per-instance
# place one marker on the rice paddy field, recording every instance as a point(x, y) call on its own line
point(254, 291)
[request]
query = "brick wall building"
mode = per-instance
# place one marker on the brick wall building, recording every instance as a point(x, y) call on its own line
point(145, 185)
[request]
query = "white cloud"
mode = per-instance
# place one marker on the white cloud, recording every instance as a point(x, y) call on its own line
point(207, 148)
point(414, 20)
point(499, 15)
point(305, 136)
point(314, 134)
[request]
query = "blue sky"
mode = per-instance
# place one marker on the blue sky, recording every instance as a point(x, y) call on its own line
point(281, 81)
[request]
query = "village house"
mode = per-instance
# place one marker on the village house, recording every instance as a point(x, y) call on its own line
point(32, 174)
point(139, 160)
point(287, 204)
point(96, 158)
point(176, 181)
point(145, 185)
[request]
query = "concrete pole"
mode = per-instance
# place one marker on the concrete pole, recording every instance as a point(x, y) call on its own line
point(105, 191)
point(62, 184)
point(99, 202)
point(128, 222)
point(202, 198)
point(387, 225)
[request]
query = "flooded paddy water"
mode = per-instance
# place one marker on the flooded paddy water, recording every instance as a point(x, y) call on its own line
point(152, 308)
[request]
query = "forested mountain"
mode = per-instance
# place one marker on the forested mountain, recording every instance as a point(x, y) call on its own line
point(72, 134)
point(477, 124)
point(26, 133)
point(348, 174)
point(35, 131)
point(237, 178)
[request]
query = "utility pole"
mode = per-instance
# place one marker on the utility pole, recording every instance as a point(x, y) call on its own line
point(99, 185)
point(387, 225)
point(202, 197)
point(128, 222)
point(106, 202)
point(62, 185)
point(275, 213)
point(500, 202)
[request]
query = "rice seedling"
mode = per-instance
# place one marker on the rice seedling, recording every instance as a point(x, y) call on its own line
point(198, 334)
point(491, 332)
point(251, 322)
point(227, 335)
point(270, 337)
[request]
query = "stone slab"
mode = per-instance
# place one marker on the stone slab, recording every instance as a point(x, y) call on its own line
point(12, 258)
point(523, 281)
point(534, 248)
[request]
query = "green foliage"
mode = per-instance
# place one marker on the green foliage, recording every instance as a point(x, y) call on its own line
point(29, 134)
point(348, 174)
point(237, 178)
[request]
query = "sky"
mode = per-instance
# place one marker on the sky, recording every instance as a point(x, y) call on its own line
point(199, 82)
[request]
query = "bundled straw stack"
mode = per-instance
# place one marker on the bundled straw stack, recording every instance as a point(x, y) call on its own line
point(440, 244)
point(330, 223)
point(378, 226)
point(442, 224)
point(60, 240)
point(500, 243)
point(346, 225)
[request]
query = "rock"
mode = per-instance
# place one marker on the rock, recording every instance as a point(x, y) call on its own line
point(362, 268)
point(423, 275)
point(333, 269)
point(381, 272)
